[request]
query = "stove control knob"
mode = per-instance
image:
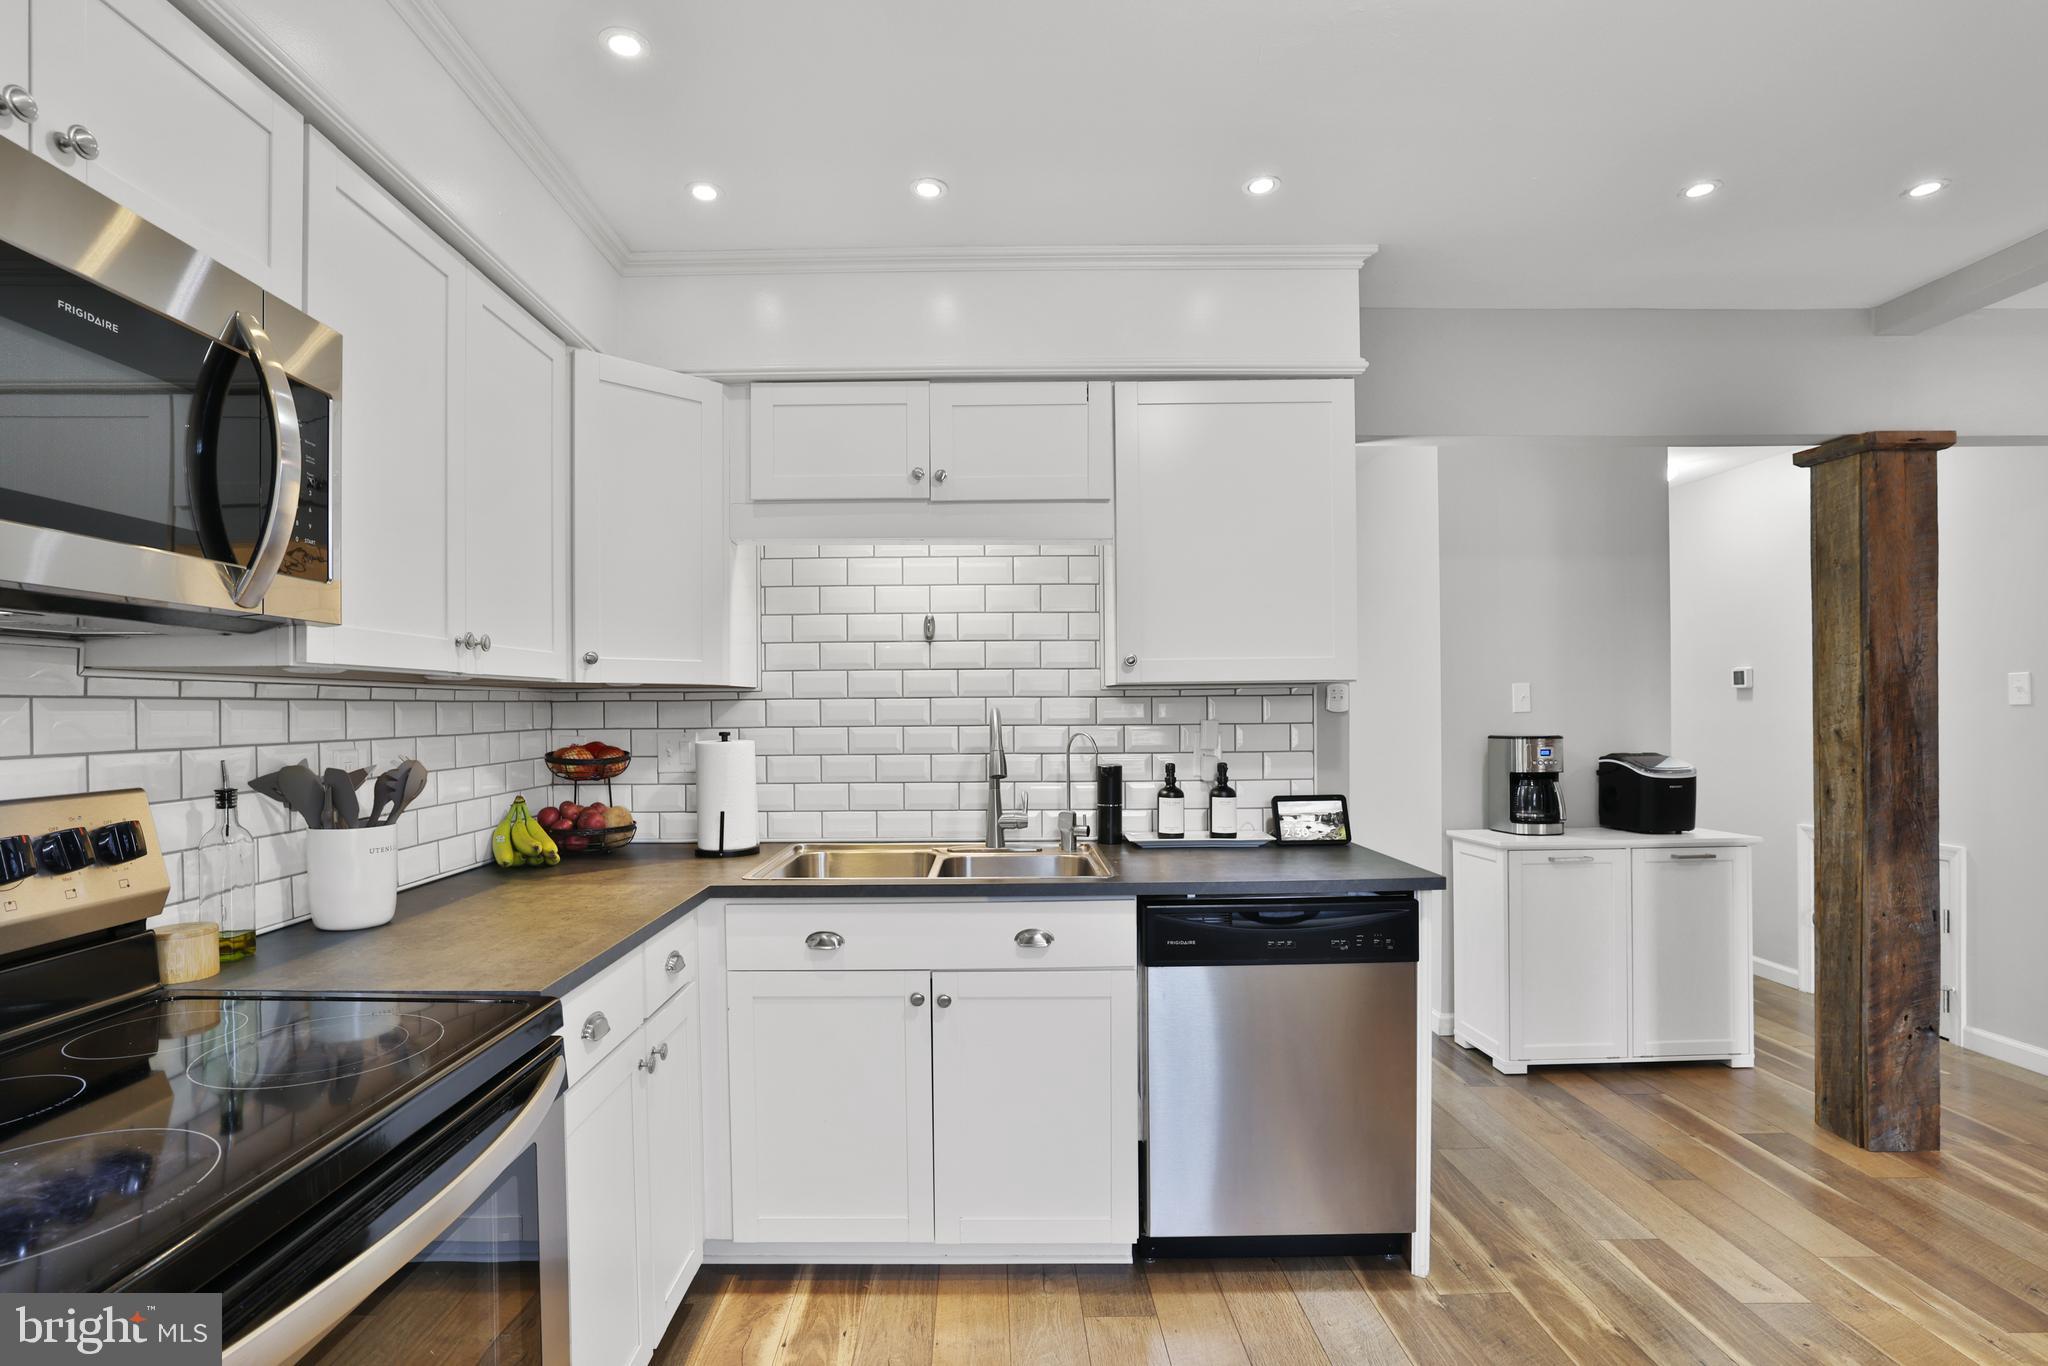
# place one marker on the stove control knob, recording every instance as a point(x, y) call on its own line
point(63, 851)
point(120, 842)
point(17, 859)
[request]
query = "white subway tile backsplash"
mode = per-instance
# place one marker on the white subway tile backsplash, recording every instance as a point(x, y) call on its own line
point(39, 671)
point(82, 725)
point(14, 726)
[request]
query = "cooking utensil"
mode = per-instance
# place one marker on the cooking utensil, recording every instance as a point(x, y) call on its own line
point(415, 780)
point(298, 789)
point(389, 786)
point(341, 794)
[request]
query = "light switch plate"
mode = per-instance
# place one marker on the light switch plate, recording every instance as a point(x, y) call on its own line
point(2019, 689)
point(1518, 697)
point(675, 753)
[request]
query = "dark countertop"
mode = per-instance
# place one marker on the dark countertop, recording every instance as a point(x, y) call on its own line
point(524, 929)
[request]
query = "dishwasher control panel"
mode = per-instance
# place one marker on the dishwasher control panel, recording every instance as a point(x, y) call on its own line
point(1193, 931)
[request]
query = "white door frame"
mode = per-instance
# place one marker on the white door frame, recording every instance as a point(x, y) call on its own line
point(1956, 864)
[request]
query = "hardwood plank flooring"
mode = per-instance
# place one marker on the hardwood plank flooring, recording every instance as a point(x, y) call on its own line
point(1686, 1213)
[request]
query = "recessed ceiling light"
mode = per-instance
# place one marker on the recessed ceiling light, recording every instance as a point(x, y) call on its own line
point(1700, 189)
point(1262, 184)
point(929, 188)
point(703, 192)
point(623, 42)
point(1926, 188)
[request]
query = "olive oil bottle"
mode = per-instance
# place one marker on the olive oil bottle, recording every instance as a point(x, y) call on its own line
point(227, 877)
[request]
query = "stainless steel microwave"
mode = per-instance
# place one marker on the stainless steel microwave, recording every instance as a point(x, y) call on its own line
point(166, 427)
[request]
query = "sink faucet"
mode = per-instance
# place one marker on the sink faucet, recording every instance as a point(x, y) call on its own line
point(1000, 820)
point(1072, 824)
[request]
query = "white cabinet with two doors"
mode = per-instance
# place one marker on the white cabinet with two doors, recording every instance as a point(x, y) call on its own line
point(1601, 946)
point(633, 1147)
point(130, 97)
point(932, 1074)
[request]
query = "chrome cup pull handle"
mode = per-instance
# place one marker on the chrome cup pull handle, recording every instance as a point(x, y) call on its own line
point(674, 961)
point(1034, 939)
point(824, 939)
point(596, 1027)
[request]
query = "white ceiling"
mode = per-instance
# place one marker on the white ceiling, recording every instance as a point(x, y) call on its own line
point(1688, 464)
point(1501, 152)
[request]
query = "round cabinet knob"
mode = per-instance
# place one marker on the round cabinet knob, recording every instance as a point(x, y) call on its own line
point(484, 643)
point(944, 1001)
point(596, 1027)
point(824, 939)
point(1130, 661)
point(674, 961)
point(651, 1061)
point(78, 140)
point(590, 656)
point(19, 103)
point(661, 1051)
point(938, 476)
point(917, 474)
point(1034, 939)
point(917, 998)
point(467, 640)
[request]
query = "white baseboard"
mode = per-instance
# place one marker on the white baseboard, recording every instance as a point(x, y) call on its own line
point(1441, 1021)
point(2019, 1053)
point(1775, 972)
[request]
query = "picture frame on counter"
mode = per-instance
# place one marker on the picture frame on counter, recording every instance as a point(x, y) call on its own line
point(1312, 820)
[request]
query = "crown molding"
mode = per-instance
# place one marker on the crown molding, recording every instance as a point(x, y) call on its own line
point(438, 34)
point(224, 22)
point(868, 260)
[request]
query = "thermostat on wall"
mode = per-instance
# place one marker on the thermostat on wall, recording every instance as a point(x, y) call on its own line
point(1745, 678)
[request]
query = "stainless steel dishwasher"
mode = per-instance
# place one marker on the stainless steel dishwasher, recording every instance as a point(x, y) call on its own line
point(1280, 1047)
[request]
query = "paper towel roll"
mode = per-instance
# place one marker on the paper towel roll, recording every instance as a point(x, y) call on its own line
point(728, 811)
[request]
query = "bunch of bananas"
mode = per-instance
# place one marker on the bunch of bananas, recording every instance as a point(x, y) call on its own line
point(519, 840)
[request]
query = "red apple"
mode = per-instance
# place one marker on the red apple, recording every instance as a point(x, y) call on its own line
point(547, 815)
point(569, 811)
point(591, 820)
point(595, 806)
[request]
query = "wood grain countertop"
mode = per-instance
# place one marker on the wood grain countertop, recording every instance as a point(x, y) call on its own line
point(525, 929)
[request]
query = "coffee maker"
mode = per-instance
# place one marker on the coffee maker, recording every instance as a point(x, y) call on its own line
point(1524, 778)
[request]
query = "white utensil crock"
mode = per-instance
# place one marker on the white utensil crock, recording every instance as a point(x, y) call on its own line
point(352, 876)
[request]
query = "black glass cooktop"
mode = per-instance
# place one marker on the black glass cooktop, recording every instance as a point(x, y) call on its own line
point(152, 1145)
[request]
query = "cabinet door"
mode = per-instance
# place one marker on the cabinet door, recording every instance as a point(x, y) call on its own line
point(395, 293)
point(14, 66)
point(187, 137)
point(1236, 543)
point(1689, 952)
point(651, 550)
point(672, 1159)
point(1035, 1107)
point(1021, 442)
point(831, 1083)
point(829, 441)
point(1568, 955)
point(605, 1209)
point(513, 487)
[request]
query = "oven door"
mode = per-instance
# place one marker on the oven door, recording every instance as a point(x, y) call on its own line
point(457, 1254)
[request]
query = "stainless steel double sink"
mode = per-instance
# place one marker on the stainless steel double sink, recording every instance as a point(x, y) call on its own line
point(911, 862)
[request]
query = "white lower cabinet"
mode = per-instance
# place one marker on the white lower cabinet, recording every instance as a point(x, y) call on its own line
point(634, 1147)
point(1601, 946)
point(1034, 1125)
point(831, 1106)
point(968, 1078)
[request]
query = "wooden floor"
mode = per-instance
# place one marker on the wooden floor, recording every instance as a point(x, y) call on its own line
point(1628, 1214)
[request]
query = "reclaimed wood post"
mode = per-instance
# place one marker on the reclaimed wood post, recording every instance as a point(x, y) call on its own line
point(1877, 934)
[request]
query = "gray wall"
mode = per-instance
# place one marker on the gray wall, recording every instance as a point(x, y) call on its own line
point(1739, 599)
point(1556, 567)
point(1740, 583)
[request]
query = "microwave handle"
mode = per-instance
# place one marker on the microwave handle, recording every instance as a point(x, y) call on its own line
point(293, 1330)
point(287, 482)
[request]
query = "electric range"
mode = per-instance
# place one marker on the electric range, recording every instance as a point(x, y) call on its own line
point(271, 1148)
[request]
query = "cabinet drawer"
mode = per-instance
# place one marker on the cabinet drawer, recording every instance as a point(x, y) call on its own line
point(669, 961)
point(776, 937)
point(597, 1016)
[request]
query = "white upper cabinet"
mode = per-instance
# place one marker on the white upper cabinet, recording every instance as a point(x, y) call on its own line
point(1035, 1113)
point(16, 79)
point(1236, 546)
point(653, 559)
point(396, 293)
point(512, 491)
point(179, 131)
point(828, 441)
point(1021, 442)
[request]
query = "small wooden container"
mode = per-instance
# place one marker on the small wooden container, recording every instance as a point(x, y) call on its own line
point(187, 953)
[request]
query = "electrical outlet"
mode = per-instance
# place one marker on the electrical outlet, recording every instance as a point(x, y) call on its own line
point(2019, 690)
point(1209, 749)
point(1518, 697)
point(675, 754)
point(1338, 697)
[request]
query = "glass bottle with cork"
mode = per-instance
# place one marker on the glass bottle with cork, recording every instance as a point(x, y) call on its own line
point(227, 877)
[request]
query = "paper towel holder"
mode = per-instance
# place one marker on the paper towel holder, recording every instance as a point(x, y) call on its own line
point(747, 820)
